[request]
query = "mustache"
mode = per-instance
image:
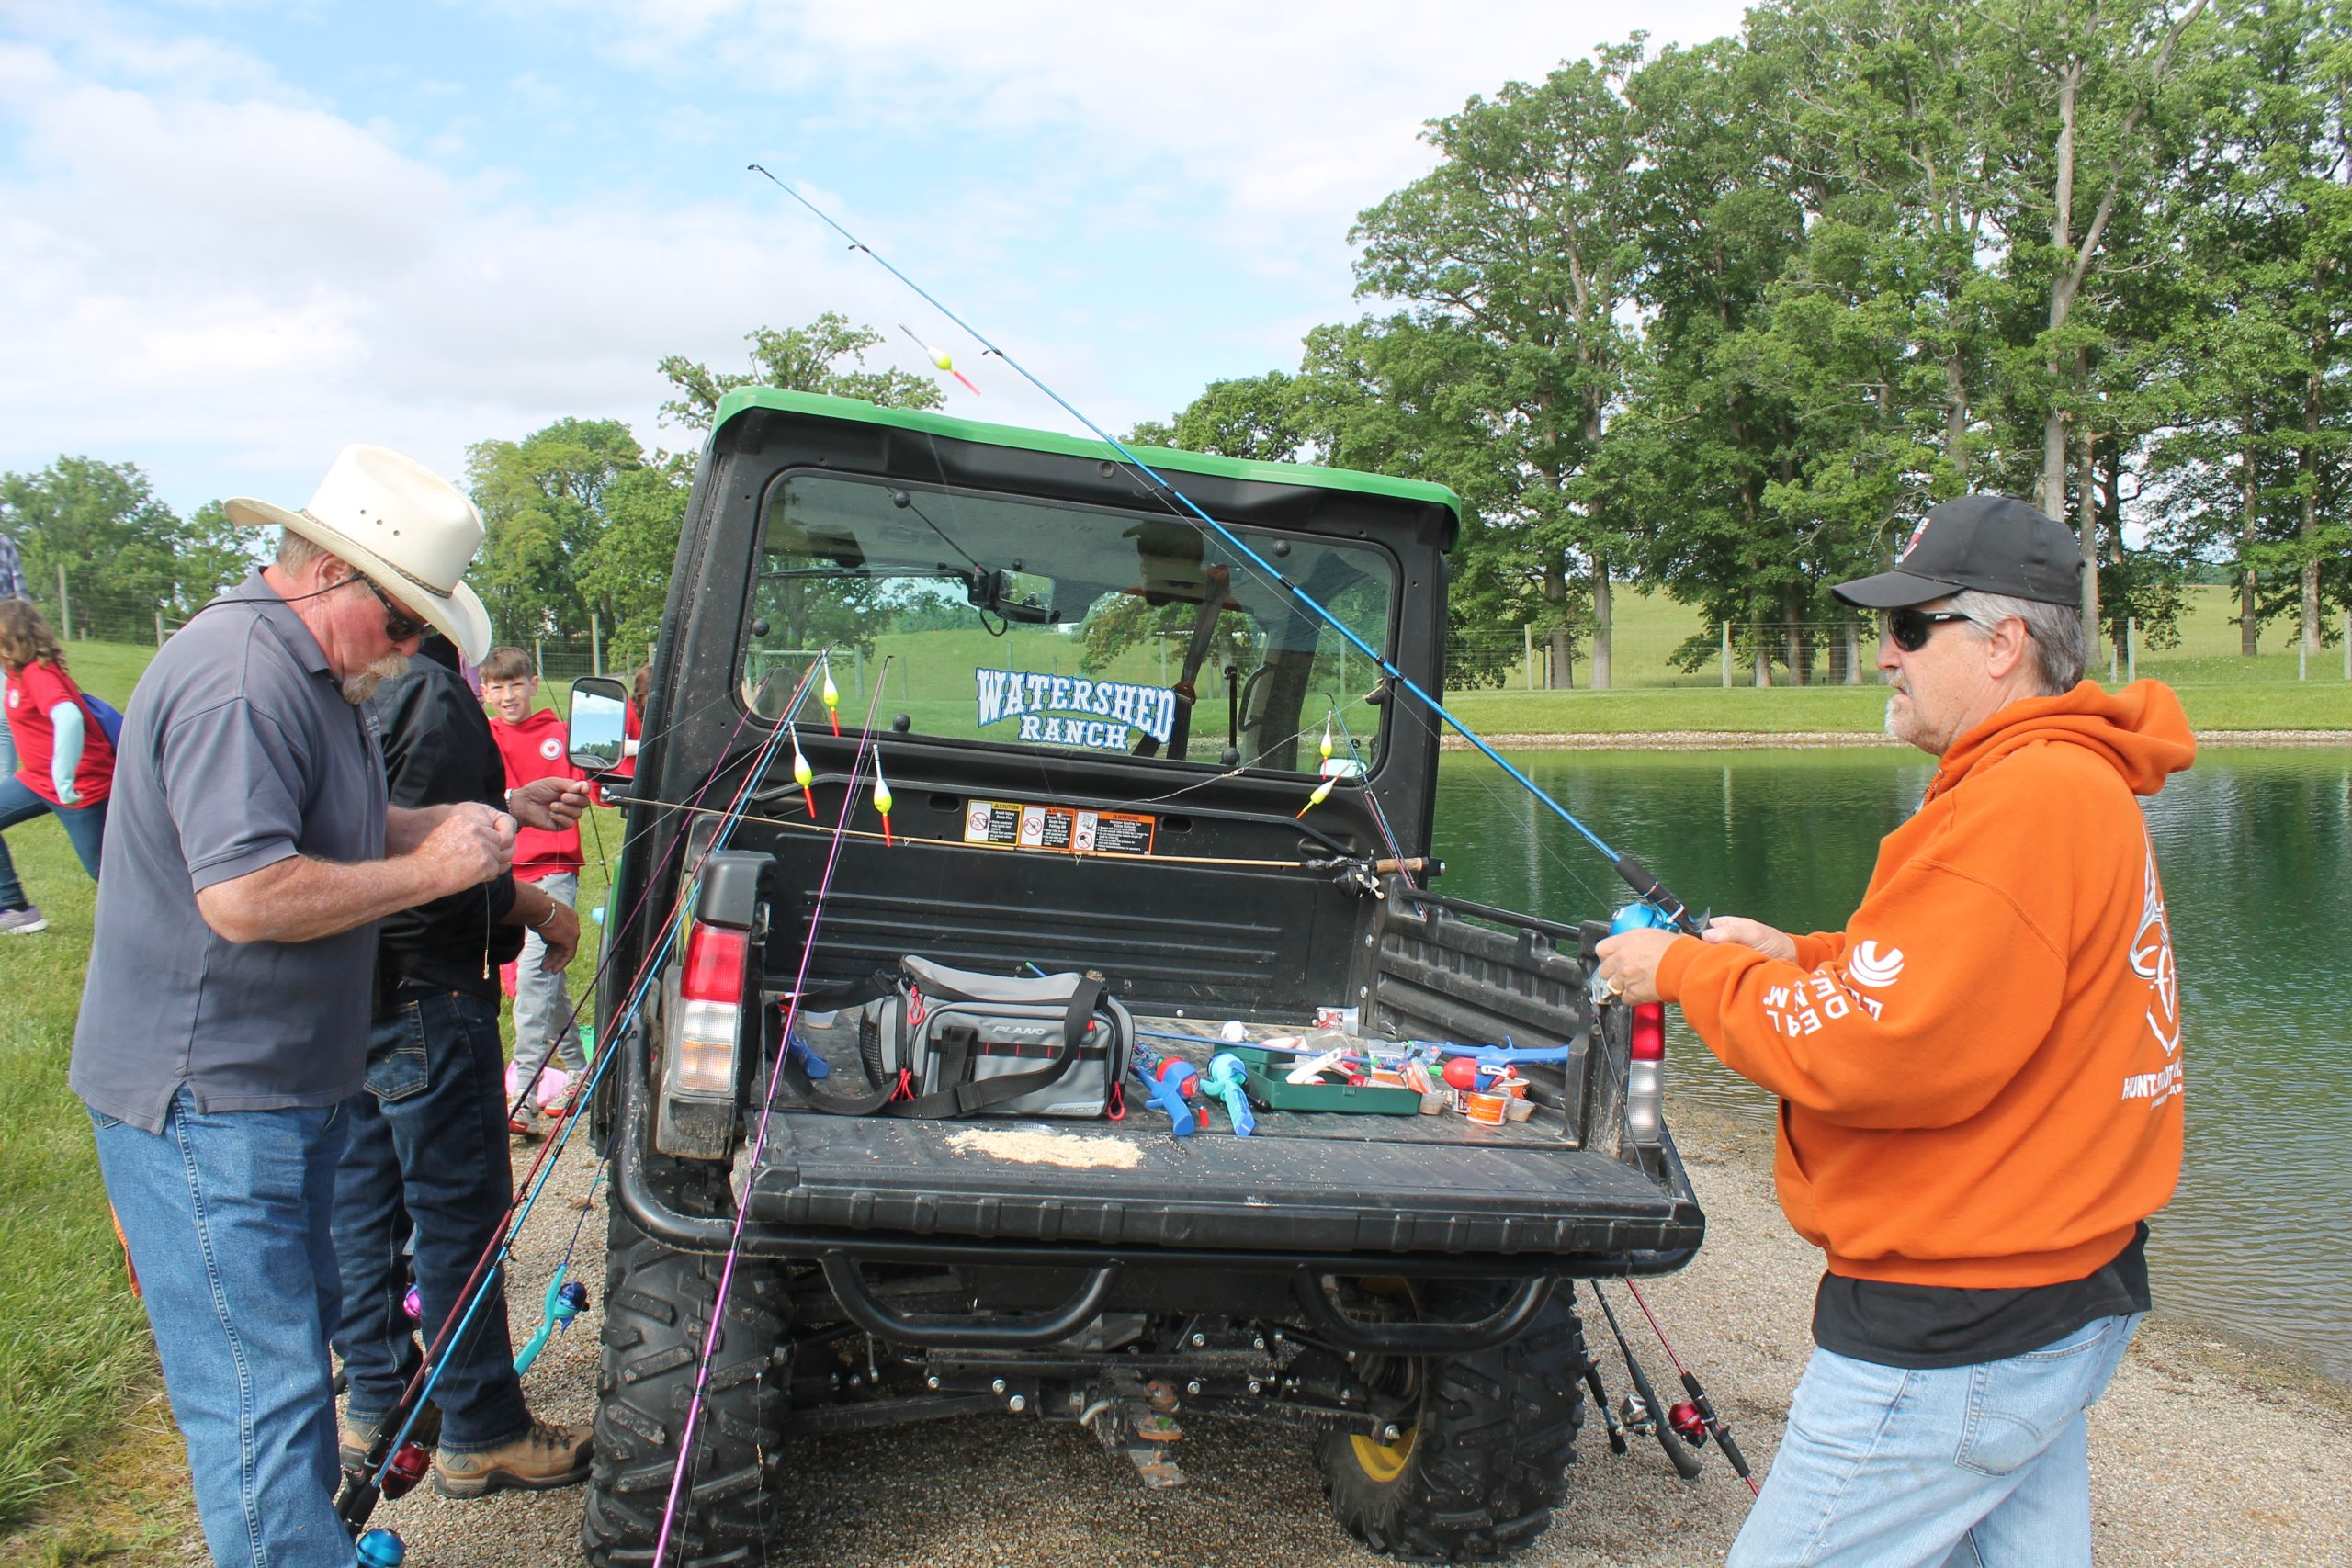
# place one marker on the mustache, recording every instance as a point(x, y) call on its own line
point(360, 685)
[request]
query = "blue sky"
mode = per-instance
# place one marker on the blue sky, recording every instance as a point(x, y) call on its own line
point(235, 234)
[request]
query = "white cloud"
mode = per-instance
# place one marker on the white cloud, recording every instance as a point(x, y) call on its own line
point(220, 273)
point(191, 276)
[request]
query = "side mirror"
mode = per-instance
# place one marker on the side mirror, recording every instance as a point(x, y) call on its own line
point(599, 723)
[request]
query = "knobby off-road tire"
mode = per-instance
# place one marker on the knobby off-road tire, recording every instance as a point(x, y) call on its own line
point(657, 1312)
point(1483, 1462)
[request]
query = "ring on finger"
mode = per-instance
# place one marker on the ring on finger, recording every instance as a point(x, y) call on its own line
point(1614, 986)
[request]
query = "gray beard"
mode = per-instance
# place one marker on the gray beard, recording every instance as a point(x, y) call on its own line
point(358, 688)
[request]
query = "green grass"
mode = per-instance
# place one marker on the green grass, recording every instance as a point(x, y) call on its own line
point(77, 1358)
point(71, 1339)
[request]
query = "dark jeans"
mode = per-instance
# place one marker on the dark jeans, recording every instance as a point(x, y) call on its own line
point(429, 1151)
point(85, 830)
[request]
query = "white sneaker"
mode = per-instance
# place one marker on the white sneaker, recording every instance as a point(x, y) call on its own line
point(22, 922)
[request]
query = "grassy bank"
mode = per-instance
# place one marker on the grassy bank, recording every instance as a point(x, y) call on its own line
point(75, 1339)
point(1780, 710)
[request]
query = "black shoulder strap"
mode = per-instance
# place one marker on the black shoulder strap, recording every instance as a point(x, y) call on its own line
point(829, 998)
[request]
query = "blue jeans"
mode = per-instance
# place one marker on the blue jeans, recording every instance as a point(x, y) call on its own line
point(543, 1018)
point(226, 1214)
point(85, 830)
point(1986, 1464)
point(427, 1154)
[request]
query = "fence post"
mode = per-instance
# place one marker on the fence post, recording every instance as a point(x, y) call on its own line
point(1726, 655)
point(159, 628)
point(1527, 653)
point(2348, 645)
point(2131, 647)
point(64, 604)
point(1853, 655)
point(2303, 659)
point(538, 659)
point(596, 646)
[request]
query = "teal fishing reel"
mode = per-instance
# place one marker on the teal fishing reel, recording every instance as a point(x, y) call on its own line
point(566, 1300)
point(1642, 916)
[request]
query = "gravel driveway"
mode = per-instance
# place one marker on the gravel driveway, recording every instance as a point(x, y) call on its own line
point(2201, 1452)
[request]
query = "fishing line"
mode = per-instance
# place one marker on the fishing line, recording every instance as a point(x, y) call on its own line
point(1636, 875)
point(908, 840)
point(570, 1023)
point(1549, 852)
point(1364, 778)
point(768, 1111)
point(486, 1269)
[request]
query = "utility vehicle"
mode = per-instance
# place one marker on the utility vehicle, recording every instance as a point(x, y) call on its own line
point(1101, 729)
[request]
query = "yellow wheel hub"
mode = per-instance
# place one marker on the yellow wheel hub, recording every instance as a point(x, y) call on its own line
point(1384, 1462)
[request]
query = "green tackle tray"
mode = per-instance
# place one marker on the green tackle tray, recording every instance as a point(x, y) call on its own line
point(1270, 1091)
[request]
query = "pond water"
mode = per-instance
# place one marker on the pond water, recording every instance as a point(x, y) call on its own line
point(2255, 848)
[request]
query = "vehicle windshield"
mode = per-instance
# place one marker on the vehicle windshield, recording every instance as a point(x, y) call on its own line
point(1065, 628)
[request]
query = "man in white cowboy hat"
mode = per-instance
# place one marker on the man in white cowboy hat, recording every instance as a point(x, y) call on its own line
point(252, 851)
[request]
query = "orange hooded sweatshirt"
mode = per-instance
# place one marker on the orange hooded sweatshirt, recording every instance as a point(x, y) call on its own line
point(1980, 1076)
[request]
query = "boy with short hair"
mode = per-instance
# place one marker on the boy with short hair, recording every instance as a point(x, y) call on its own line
point(535, 746)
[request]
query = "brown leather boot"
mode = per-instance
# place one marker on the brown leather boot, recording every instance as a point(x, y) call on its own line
point(354, 1439)
point(548, 1455)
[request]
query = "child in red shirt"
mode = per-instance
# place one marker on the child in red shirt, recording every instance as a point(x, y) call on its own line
point(64, 762)
point(535, 746)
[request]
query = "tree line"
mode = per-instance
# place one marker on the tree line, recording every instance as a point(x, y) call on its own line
point(1726, 319)
point(1723, 321)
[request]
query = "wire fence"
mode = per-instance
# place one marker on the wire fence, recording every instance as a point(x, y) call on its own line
point(1649, 650)
point(1654, 644)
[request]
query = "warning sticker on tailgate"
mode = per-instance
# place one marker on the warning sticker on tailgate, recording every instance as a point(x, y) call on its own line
point(1059, 830)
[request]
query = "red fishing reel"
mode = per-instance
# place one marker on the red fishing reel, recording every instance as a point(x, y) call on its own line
point(1687, 1423)
point(410, 1461)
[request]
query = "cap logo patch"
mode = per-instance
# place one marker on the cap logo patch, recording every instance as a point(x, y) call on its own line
point(1913, 543)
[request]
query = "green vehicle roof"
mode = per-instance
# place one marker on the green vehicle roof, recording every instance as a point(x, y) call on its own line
point(1162, 457)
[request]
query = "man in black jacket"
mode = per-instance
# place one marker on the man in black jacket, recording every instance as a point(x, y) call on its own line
point(427, 1152)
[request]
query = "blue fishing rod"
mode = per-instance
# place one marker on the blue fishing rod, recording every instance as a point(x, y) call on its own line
point(392, 1464)
point(1645, 884)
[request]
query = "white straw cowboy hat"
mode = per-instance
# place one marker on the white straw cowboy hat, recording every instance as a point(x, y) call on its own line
point(402, 525)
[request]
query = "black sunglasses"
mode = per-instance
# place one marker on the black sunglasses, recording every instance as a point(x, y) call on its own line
point(1910, 628)
point(399, 625)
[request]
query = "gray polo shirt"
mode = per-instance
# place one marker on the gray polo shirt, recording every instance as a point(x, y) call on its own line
point(238, 750)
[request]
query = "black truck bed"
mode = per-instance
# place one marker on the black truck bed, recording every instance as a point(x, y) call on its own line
point(1317, 1182)
point(1097, 1184)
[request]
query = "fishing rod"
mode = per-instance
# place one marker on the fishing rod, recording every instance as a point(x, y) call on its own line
point(387, 1458)
point(1652, 1419)
point(1645, 884)
point(1695, 1418)
point(767, 1110)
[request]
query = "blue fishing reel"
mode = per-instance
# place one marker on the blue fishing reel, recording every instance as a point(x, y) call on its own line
point(1637, 917)
point(381, 1549)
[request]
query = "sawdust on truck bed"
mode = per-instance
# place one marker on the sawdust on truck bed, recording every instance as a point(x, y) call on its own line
point(1034, 1146)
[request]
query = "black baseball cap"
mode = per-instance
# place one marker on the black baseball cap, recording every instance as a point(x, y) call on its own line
point(1994, 544)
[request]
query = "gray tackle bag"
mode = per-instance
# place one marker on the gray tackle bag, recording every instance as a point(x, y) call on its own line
point(939, 1042)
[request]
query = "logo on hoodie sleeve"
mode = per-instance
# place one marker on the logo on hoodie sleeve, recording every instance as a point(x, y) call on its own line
point(2151, 960)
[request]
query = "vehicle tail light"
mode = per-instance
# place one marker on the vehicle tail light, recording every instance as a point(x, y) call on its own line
point(711, 1011)
point(1645, 1076)
point(1649, 1032)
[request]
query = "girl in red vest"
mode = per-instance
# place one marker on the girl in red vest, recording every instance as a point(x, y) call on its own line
point(64, 762)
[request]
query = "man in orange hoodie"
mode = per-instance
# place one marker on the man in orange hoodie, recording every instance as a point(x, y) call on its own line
point(1980, 1078)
